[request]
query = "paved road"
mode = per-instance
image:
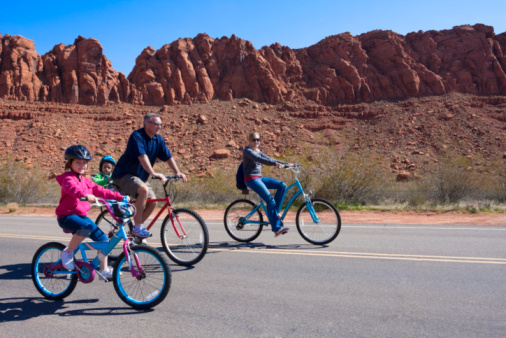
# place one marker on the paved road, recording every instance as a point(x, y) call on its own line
point(372, 281)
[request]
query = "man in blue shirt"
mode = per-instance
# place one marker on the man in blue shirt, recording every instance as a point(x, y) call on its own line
point(135, 166)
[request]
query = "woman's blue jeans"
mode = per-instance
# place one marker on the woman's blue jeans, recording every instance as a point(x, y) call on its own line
point(261, 186)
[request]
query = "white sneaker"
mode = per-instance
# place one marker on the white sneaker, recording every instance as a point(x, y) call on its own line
point(140, 231)
point(67, 259)
point(106, 274)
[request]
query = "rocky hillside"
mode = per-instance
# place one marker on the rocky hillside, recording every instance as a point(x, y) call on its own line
point(341, 69)
point(409, 134)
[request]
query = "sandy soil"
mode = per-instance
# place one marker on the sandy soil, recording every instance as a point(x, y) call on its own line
point(408, 217)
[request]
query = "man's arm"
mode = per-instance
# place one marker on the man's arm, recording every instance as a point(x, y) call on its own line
point(173, 166)
point(144, 160)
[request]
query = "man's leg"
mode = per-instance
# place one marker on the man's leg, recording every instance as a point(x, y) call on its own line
point(141, 191)
point(143, 207)
point(144, 210)
point(150, 207)
point(140, 204)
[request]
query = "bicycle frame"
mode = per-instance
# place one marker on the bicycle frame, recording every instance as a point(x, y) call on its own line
point(300, 191)
point(168, 205)
point(106, 247)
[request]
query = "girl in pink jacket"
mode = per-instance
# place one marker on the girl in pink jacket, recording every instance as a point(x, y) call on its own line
point(72, 213)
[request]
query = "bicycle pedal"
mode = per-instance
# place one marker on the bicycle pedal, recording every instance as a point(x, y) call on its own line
point(101, 277)
point(139, 240)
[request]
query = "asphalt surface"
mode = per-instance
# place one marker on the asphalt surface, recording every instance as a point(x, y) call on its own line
point(374, 280)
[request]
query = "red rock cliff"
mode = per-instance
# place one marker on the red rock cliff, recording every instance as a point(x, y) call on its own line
point(78, 73)
point(339, 69)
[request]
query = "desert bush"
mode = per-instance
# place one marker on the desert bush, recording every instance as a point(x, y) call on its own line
point(12, 207)
point(349, 176)
point(497, 189)
point(454, 179)
point(23, 185)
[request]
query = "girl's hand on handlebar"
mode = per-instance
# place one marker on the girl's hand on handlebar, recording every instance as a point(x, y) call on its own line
point(90, 198)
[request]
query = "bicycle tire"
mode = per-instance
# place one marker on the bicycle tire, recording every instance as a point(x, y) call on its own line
point(239, 231)
point(105, 220)
point(144, 291)
point(58, 286)
point(324, 231)
point(190, 249)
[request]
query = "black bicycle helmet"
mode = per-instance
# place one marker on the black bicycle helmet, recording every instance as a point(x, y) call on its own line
point(77, 151)
point(107, 159)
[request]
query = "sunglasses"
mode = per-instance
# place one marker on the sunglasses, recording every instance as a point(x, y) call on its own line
point(256, 139)
point(156, 123)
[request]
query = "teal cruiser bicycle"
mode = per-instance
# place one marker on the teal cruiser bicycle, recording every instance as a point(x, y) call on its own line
point(317, 220)
point(141, 275)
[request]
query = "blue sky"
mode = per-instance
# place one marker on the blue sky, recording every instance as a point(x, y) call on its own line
point(125, 28)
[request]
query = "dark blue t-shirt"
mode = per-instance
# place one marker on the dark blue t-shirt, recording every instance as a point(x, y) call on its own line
point(139, 144)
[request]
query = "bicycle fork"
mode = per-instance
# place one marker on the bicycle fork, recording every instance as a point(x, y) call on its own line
point(136, 273)
point(175, 215)
point(310, 208)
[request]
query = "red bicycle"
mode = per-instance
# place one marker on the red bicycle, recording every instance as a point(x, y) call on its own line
point(183, 232)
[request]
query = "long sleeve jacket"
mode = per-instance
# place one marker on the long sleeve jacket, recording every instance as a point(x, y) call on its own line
point(252, 162)
point(73, 187)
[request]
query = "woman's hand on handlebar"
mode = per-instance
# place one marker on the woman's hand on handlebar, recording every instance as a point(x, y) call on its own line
point(282, 165)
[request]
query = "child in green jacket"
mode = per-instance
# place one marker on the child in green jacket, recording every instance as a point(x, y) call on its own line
point(106, 167)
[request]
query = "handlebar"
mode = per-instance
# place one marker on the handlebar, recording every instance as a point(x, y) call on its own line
point(168, 178)
point(295, 168)
point(118, 209)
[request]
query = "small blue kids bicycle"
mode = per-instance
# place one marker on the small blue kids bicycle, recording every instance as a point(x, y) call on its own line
point(317, 220)
point(141, 275)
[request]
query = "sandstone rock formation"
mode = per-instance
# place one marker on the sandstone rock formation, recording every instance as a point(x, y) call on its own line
point(341, 69)
point(78, 73)
point(20, 69)
point(202, 69)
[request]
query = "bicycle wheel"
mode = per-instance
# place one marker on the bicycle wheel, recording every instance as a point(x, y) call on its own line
point(150, 287)
point(107, 224)
point(50, 282)
point(186, 249)
point(234, 221)
point(326, 229)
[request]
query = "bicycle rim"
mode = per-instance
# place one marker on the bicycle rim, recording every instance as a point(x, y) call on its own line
point(236, 225)
point(149, 289)
point(324, 230)
point(59, 285)
point(191, 245)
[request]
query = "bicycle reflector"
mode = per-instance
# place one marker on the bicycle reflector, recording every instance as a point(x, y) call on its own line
point(123, 210)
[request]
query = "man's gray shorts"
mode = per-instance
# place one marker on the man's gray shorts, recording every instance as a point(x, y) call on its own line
point(129, 184)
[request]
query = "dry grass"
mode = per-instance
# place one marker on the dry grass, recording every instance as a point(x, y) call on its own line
point(351, 180)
